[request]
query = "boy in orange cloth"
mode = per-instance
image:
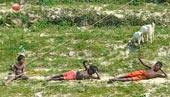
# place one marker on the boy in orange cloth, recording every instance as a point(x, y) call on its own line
point(151, 72)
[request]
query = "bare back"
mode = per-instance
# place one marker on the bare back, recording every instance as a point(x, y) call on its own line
point(83, 75)
point(150, 73)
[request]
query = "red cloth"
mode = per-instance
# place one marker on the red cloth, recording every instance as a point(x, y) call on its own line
point(71, 75)
point(16, 7)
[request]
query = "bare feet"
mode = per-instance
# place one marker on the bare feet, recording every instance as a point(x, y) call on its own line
point(110, 81)
point(48, 79)
point(4, 83)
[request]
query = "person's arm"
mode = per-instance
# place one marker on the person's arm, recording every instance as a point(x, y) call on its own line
point(19, 67)
point(95, 77)
point(14, 68)
point(144, 63)
point(16, 76)
point(84, 64)
point(163, 76)
point(23, 69)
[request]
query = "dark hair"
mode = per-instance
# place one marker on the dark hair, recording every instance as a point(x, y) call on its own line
point(20, 57)
point(93, 68)
point(160, 63)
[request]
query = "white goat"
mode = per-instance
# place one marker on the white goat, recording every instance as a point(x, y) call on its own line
point(149, 31)
point(137, 36)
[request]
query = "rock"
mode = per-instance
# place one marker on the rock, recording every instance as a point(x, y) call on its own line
point(147, 94)
point(38, 94)
point(3, 11)
point(120, 70)
point(157, 14)
point(7, 25)
point(22, 2)
point(43, 34)
point(120, 16)
point(27, 30)
point(97, 8)
point(53, 17)
point(17, 22)
point(105, 63)
point(31, 15)
point(71, 54)
point(51, 40)
point(167, 4)
point(57, 11)
point(108, 12)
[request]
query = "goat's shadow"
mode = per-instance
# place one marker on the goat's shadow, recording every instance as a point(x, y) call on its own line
point(132, 47)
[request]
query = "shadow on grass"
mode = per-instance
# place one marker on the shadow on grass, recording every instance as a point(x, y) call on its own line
point(132, 47)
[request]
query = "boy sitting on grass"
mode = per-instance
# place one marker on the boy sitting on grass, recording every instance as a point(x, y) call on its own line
point(19, 70)
point(78, 75)
point(151, 72)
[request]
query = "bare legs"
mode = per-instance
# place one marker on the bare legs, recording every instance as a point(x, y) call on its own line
point(122, 78)
point(11, 78)
point(58, 77)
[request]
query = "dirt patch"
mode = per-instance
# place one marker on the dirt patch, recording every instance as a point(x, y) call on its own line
point(157, 81)
point(62, 95)
point(37, 77)
point(3, 75)
point(165, 36)
point(163, 51)
point(105, 77)
point(42, 69)
point(44, 34)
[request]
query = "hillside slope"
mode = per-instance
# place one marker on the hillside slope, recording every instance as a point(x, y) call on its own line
point(53, 49)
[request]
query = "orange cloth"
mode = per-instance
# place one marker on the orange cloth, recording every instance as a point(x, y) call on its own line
point(71, 75)
point(137, 75)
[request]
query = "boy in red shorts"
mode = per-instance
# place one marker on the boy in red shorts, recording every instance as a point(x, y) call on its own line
point(78, 75)
point(151, 72)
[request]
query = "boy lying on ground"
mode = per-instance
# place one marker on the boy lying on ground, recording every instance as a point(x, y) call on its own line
point(151, 72)
point(78, 75)
point(19, 71)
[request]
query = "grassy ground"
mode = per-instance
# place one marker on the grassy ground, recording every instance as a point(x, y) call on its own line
point(106, 46)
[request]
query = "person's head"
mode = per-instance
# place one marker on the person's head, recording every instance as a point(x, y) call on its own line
point(21, 58)
point(92, 69)
point(158, 66)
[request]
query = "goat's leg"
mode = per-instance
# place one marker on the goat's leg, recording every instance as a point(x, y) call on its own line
point(133, 41)
point(150, 38)
point(153, 36)
point(147, 36)
point(139, 40)
point(142, 38)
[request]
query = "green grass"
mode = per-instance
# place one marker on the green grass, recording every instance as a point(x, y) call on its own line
point(98, 42)
point(101, 44)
